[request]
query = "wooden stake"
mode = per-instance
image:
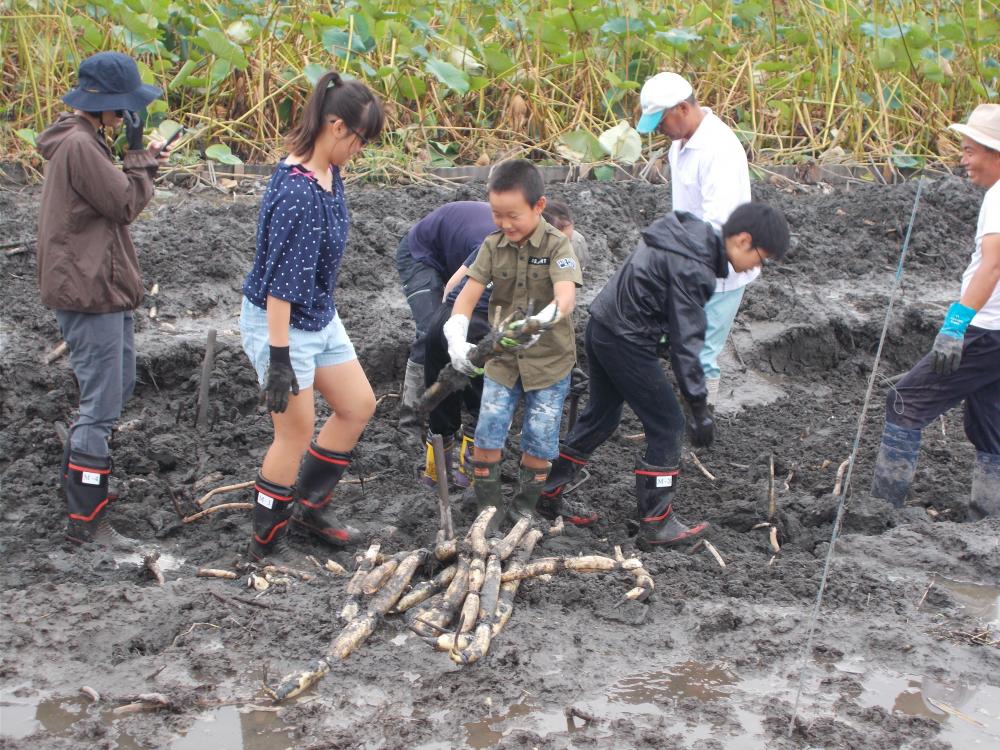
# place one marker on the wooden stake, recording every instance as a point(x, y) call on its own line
point(206, 380)
point(444, 502)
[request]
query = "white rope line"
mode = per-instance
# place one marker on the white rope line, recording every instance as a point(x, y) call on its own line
point(850, 466)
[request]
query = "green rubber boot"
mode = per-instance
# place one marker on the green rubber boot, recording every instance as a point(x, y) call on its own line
point(486, 483)
point(530, 484)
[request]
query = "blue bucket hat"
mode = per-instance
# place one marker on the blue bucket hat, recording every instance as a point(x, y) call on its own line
point(110, 81)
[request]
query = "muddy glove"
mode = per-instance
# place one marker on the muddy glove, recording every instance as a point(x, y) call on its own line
point(547, 316)
point(701, 426)
point(456, 331)
point(946, 355)
point(579, 382)
point(280, 380)
point(135, 125)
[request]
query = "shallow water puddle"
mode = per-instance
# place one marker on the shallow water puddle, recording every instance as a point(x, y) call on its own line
point(167, 562)
point(21, 717)
point(969, 714)
point(228, 728)
point(225, 728)
point(980, 601)
point(647, 694)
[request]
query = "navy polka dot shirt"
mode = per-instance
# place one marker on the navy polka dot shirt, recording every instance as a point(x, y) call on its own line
point(301, 234)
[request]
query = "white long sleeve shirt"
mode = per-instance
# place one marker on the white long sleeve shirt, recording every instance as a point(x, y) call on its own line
point(709, 177)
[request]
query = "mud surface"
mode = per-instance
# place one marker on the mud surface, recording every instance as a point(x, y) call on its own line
point(711, 661)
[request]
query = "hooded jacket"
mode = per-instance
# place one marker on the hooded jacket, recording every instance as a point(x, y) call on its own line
point(86, 259)
point(662, 289)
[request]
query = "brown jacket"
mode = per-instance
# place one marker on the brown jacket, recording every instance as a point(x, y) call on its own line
point(86, 259)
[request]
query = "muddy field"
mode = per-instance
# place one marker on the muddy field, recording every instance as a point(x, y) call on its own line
point(710, 661)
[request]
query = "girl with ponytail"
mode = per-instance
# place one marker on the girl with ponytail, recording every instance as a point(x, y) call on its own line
point(289, 323)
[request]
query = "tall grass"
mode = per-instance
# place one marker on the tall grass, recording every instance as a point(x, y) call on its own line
point(469, 80)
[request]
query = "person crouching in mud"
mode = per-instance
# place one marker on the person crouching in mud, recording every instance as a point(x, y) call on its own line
point(656, 301)
point(88, 271)
point(290, 327)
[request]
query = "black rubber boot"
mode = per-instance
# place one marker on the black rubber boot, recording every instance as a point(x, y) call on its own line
point(489, 491)
point(896, 464)
point(272, 509)
point(659, 526)
point(529, 486)
point(552, 504)
point(985, 499)
point(85, 480)
point(320, 471)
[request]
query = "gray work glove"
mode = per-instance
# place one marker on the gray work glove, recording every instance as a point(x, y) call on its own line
point(946, 354)
point(135, 126)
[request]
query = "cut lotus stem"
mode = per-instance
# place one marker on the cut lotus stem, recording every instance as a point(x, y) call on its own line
point(715, 553)
point(446, 550)
point(697, 462)
point(508, 590)
point(771, 493)
point(357, 631)
point(470, 608)
point(425, 590)
point(582, 564)
point(488, 597)
point(476, 538)
point(556, 529)
point(151, 563)
point(270, 570)
point(216, 509)
point(429, 623)
point(840, 477)
point(643, 580)
point(379, 575)
point(773, 536)
point(334, 567)
point(365, 566)
point(295, 684)
point(506, 546)
point(220, 490)
point(214, 573)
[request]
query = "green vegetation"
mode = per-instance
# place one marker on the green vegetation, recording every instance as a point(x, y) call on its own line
point(471, 80)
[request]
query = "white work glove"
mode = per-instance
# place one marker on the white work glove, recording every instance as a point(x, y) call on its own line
point(546, 314)
point(455, 332)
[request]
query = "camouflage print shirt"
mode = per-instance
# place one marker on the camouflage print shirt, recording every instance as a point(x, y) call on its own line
point(526, 272)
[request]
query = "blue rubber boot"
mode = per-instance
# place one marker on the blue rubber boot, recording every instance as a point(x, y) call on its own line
point(985, 500)
point(896, 464)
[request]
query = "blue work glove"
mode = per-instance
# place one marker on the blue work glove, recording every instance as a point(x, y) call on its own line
point(946, 355)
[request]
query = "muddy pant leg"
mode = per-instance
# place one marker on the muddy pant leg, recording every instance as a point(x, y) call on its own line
point(603, 412)
point(128, 357)
point(97, 354)
point(922, 396)
point(982, 427)
point(720, 312)
point(422, 286)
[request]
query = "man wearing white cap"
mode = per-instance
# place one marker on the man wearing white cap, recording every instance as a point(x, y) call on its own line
point(709, 177)
point(964, 363)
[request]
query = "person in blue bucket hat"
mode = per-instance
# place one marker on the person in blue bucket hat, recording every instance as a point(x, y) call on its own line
point(88, 272)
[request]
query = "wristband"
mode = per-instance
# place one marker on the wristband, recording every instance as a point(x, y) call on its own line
point(956, 320)
point(281, 355)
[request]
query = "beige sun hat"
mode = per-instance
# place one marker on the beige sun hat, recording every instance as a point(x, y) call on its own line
point(983, 126)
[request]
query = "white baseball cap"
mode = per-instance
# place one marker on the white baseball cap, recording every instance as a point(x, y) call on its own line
point(983, 126)
point(660, 93)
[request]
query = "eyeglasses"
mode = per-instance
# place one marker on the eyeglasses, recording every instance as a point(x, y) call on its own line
point(119, 113)
point(355, 133)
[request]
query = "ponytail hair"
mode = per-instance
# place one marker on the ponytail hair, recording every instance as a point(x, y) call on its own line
point(350, 101)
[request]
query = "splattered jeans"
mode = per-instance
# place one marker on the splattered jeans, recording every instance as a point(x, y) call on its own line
point(542, 415)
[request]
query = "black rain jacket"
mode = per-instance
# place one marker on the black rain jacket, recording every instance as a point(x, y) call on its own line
point(662, 289)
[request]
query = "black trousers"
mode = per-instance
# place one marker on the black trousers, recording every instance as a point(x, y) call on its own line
point(422, 286)
point(447, 417)
point(623, 373)
point(922, 396)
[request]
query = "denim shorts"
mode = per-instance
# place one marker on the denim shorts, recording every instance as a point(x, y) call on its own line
point(542, 415)
point(308, 349)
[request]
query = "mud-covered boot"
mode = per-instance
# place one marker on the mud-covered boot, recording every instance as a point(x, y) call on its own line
point(529, 486)
point(410, 425)
point(985, 499)
point(896, 464)
point(463, 472)
point(272, 509)
point(85, 480)
point(659, 526)
point(489, 491)
point(552, 503)
point(320, 471)
point(429, 477)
